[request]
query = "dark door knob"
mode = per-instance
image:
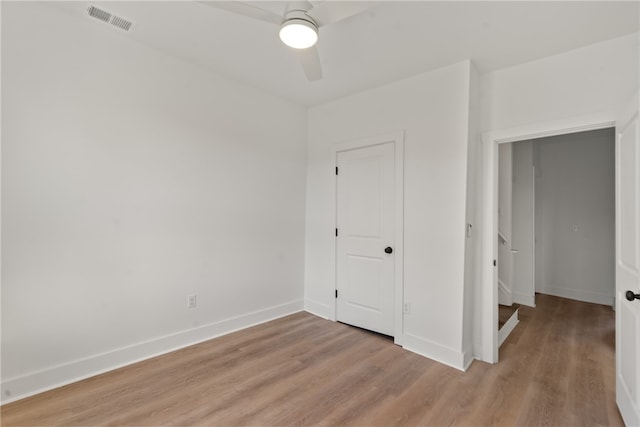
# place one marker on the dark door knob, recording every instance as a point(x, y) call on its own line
point(388, 250)
point(631, 296)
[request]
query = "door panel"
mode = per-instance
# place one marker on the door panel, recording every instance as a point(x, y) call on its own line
point(365, 219)
point(628, 184)
point(627, 266)
point(364, 205)
point(365, 282)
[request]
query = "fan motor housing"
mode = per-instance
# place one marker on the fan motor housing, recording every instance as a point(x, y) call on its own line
point(299, 15)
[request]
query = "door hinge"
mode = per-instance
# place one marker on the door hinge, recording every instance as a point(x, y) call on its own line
point(336, 232)
point(336, 293)
point(336, 170)
point(494, 262)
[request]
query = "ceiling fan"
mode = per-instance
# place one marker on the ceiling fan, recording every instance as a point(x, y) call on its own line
point(299, 25)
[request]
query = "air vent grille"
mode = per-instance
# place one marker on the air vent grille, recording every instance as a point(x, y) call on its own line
point(105, 16)
point(99, 14)
point(121, 23)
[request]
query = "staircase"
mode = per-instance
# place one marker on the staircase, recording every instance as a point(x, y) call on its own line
point(507, 321)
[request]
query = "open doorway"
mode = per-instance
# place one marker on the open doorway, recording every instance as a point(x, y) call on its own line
point(556, 221)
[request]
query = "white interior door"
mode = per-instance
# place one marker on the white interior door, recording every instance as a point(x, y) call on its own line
point(628, 266)
point(365, 237)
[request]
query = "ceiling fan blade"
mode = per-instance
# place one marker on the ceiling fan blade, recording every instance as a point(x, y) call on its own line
point(328, 12)
point(246, 9)
point(310, 61)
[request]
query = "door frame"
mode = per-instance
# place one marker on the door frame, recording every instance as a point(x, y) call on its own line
point(397, 138)
point(490, 141)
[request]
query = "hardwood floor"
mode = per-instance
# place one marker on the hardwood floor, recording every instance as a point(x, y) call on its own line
point(556, 369)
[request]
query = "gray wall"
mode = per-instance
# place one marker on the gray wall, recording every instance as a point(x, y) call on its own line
point(575, 216)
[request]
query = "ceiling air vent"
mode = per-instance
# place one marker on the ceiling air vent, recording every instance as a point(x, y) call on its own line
point(121, 23)
point(105, 16)
point(99, 14)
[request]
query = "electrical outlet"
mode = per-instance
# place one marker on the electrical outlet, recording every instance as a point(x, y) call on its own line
point(407, 308)
point(191, 301)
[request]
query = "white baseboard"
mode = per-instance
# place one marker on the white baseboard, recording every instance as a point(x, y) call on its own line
point(467, 357)
point(528, 300)
point(439, 353)
point(507, 328)
point(318, 309)
point(579, 295)
point(37, 382)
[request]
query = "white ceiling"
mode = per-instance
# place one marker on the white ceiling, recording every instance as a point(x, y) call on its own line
point(390, 41)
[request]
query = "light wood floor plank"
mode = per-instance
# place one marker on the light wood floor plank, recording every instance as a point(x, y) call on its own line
point(556, 369)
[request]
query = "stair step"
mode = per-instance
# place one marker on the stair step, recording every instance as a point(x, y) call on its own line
point(508, 327)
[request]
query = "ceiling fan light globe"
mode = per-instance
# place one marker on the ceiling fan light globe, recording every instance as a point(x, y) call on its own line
point(298, 33)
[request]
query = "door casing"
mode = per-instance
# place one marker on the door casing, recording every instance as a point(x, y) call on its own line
point(397, 138)
point(488, 351)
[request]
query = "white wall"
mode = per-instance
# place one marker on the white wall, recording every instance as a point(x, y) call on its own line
point(433, 110)
point(130, 180)
point(596, 78)
point(523, 223)
point(575, 193)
